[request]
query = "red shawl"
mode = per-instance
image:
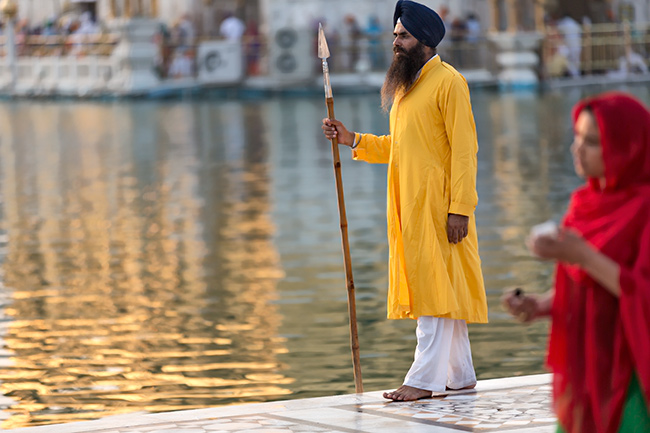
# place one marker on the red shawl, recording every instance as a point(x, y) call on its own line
point(598, 341)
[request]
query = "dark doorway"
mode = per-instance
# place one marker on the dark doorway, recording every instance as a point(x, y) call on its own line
point(87, 6)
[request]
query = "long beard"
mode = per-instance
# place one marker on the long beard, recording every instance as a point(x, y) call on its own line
point(401, 73)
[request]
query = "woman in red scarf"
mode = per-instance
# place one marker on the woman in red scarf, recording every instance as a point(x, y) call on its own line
point(599, 347)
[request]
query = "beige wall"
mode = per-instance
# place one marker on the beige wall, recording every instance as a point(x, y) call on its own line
point(38, 11)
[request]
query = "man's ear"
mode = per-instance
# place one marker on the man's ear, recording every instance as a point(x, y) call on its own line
point(429, 52)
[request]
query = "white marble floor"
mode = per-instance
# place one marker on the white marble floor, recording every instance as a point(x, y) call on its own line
point(515, 405)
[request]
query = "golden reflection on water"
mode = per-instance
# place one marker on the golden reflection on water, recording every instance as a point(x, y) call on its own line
point(131, 288)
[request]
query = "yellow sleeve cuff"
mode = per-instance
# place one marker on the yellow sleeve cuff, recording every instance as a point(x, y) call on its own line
point(358, 152)
point(357, 140)
point(461, 209)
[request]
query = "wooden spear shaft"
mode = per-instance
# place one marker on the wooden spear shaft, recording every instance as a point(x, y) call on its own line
point(347, 262)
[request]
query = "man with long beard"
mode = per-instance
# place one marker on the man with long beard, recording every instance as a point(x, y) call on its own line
point(434, 267)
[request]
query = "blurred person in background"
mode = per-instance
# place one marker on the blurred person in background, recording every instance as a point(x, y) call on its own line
point(349, 42)
point(183, 36)
point(50, 29)
point(185, 32)
point(572, 33)
point(163, 40)
point(374, 34)
point(252, 47)
point(434, 267)
point(79, 39)
point(86, 25)
point(457, 36)
point(473, 28)
point(556, 51)
point(445, 16)
point(232, 28)
point(475, 52)
point(599, 346)
point(22, 32)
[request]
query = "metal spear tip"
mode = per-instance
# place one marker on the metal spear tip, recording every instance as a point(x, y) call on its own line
point(323, 50)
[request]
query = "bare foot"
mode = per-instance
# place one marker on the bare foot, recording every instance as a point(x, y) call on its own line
point(472, 386)
point(407, 393)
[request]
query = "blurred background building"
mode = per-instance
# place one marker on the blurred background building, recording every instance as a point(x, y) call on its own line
point(141, 46)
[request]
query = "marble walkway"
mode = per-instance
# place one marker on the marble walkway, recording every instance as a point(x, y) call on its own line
point(514, 405)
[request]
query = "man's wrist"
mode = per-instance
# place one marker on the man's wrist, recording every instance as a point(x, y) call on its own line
point(356, 139)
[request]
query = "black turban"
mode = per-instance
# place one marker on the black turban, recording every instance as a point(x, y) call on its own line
point(423, 23)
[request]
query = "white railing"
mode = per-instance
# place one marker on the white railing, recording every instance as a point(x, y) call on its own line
point(67, 65)
point(596, 49)
point(63, 45)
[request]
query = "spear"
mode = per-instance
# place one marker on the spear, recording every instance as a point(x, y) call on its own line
point(324, 53)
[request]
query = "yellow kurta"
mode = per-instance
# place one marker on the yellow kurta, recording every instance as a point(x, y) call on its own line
point(431, 157)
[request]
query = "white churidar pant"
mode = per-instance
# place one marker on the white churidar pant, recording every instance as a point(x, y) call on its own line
point(443, 357)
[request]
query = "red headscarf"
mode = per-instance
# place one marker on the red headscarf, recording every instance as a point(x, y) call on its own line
point(597, 340)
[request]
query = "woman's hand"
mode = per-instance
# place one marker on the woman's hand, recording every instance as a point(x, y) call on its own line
point(526, 308)
point(335, 129)
point(568, 247)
